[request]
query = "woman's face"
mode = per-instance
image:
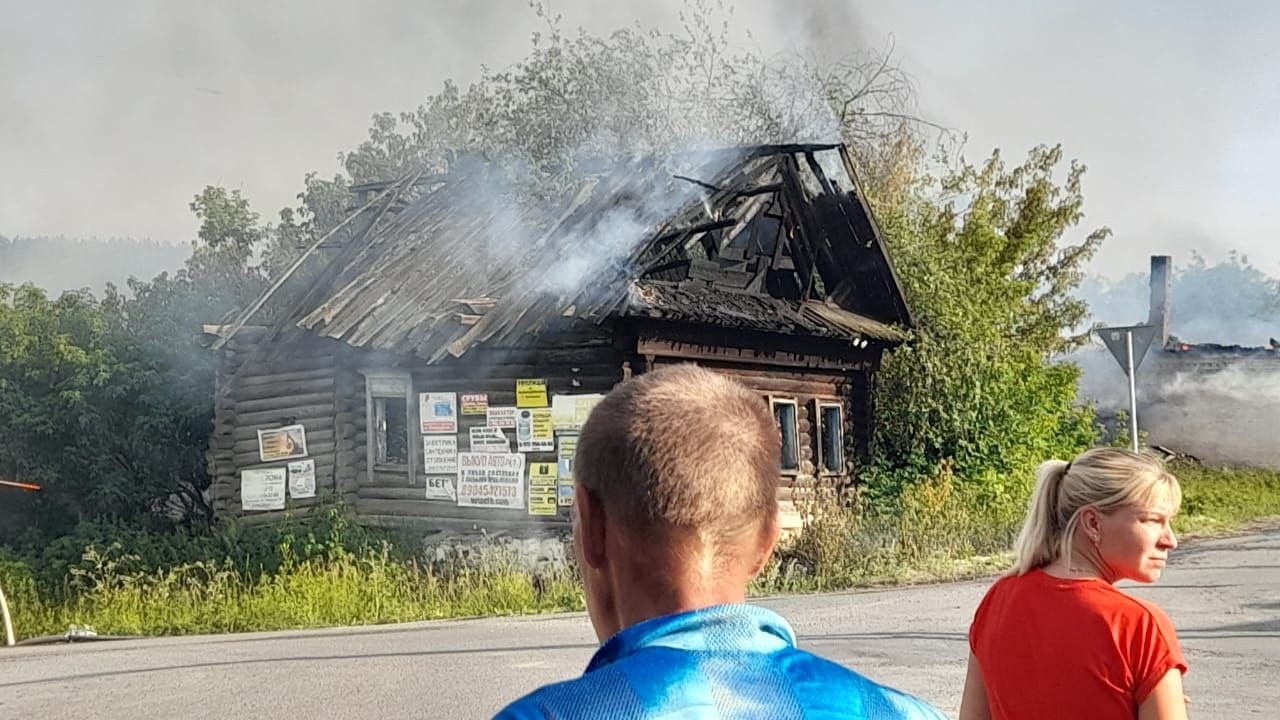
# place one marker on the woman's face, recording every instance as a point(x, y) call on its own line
point(1134, 541)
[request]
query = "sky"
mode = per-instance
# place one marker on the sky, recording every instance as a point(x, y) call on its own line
point(113, 115)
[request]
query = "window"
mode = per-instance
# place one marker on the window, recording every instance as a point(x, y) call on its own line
point(391, 431)
point(830, 437)
point(784, 413)
point(388, 400)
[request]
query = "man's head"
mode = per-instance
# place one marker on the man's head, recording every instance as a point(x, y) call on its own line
point(676, 507)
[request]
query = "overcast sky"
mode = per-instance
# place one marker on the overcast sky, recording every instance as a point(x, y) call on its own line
point(112, 115)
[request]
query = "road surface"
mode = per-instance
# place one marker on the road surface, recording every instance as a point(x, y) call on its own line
point(1224, 596)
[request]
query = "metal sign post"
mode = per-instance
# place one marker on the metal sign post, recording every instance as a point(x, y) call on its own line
point(1133, 393)
point(1129, 345)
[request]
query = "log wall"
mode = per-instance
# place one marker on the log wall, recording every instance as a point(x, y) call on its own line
point(260, 388)
point(807, 389)
point(570, 366)
point(322, 385)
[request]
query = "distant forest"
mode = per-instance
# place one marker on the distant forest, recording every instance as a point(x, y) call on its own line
point(60, 263)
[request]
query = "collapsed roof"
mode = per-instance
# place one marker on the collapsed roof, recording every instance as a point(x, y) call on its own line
point(776, 239)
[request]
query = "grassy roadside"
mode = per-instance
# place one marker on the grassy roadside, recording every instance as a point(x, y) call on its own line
point(938, 530)
point(1219, 501)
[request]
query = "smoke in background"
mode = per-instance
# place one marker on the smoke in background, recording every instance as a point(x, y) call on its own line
point(1221, 407)
point(1230, 303)
point(578, 107)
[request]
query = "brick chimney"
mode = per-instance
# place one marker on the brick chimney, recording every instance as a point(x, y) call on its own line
point(1161, 302)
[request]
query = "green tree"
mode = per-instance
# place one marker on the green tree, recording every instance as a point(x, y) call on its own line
point(108, 405)
point(988, 271)
point(221, 262)
point(57, 374)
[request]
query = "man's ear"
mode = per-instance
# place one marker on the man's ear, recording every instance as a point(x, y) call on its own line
point(768, 541)
point(592, 527)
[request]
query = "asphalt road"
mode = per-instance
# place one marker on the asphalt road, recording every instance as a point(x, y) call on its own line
point(1223, 595)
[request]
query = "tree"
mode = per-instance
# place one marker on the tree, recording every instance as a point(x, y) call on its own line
point(990, 279)
point(322, 204)
point(576, 99)
point(169, 383)
point(60, 381)
point(1230, 302)
point(109, 405)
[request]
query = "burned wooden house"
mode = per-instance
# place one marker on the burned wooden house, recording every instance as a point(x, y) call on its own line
point(1213, 402)
point(436, 368)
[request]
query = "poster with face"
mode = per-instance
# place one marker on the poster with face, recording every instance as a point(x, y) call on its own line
point(282, 443)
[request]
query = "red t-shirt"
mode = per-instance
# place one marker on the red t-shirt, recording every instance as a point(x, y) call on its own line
point(1053, 648)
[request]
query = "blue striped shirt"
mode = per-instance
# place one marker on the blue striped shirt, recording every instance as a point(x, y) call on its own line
point(728, 661)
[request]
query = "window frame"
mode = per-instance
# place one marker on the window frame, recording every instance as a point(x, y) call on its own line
point(775, 401)
point(403, 380)
point(819, 406)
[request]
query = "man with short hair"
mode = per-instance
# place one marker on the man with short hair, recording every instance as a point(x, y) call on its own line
point(675, 513)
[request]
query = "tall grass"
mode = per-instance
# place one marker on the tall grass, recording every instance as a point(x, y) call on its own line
point(938, 528)
point(339, 574)
point(1218, 500)
point(344, 589)
point(331, 585)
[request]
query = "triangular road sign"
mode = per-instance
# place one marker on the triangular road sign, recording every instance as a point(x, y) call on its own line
point(1114, 339)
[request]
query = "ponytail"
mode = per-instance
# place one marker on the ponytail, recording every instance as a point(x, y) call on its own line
point(1042, 535)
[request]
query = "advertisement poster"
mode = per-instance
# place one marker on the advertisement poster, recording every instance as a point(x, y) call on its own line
point(440, 454)
point(302, 479)
point(441, 488)
point(542, 488)
point(282, 443)
point(491, 480)
point(501, 417)
point(438, 412)
point(582, 407)
point(533, 430)
point(567, 446)
point(475, 404)
point(531, 393)
point(564, 493)
point(570, 412)
point(263, 488)
point(489, 440)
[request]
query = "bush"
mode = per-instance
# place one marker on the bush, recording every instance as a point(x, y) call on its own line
point(937, 527)
point(991, 291)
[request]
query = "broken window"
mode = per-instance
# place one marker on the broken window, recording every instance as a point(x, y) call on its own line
point(784, 413)
point(392, 431)
point(388, 402)
point(830, 437)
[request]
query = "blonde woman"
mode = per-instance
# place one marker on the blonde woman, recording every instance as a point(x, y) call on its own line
point(1054, 638)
